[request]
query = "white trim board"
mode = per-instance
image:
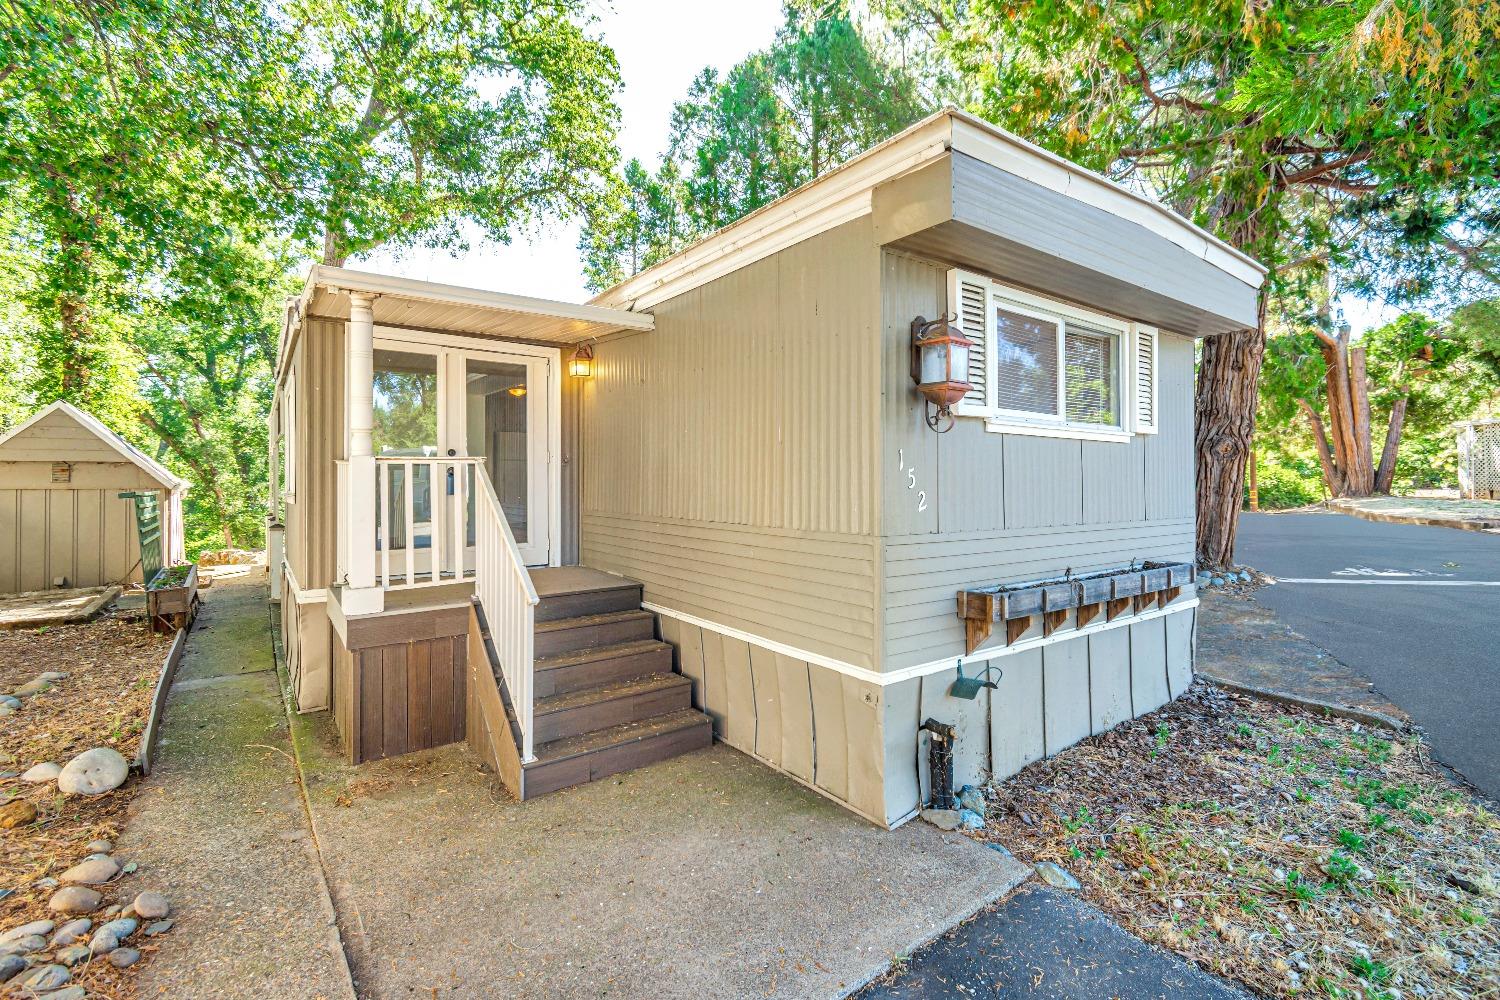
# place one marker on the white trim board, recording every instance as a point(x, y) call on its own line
point(300, 596)
point(884, 679)
point(1394, 583)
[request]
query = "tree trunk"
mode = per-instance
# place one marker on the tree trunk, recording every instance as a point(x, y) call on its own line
point(1363, 477)
point(333, 254)
point(1387, 472)
point(1332, 477)
point(1225, 399)
point(1254, 482)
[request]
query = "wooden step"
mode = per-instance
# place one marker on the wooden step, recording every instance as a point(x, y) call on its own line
point(592, 631)
point(593, 601)
point(599, 666)
point(578, 712)
point(579, 759)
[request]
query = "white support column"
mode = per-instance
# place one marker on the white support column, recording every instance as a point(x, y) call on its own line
point(275, 545)
point(361, 595)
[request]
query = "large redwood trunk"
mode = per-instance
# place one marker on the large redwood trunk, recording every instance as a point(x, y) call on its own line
point(1228, 381)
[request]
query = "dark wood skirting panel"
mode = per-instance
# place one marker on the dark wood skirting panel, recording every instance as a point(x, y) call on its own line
point(406, 693)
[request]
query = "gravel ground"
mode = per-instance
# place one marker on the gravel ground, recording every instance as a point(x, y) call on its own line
point(112, 664)
point(1302, 855)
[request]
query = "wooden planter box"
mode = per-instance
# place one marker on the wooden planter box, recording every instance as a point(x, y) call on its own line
point(169, 608)
point(1111, 593)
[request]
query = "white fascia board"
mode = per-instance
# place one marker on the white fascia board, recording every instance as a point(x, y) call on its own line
point(346, 279)
point(1009, 152)
point(817, 206)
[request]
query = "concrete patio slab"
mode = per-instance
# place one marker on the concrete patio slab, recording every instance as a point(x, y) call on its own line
point(709, 875)
point(219, 827)
point(1470, 515)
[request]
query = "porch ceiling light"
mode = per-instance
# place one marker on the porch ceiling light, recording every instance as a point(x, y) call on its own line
point(581, 364)
point(517, 390)
point(940, 367)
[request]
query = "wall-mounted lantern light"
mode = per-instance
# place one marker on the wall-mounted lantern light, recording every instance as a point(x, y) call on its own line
point(940, 367)
point(581, 364)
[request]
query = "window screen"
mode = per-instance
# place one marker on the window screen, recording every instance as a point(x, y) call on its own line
point(1025, 363)
point(1091, 376)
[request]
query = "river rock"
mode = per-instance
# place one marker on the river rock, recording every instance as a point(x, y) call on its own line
point(93, 772)
point(160, 927)
point(943, 819)
point(6, 708)
point(35, 686)
point(17, 812)
point(73, 954)
point(152, 905)
point(95, 871)
point(47, 771)
point(74, 992)
point(109, 936)
point(43, 978)
point(1056, 877)
point(26, 930)
point(10, 965)
point(74, 899)
point(71, 932)
point(24, 945)
point(124, 958)
point(10, 700)
point(99, 847)
point(110, 912)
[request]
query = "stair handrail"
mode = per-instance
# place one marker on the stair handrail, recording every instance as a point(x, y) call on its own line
point(505, 592)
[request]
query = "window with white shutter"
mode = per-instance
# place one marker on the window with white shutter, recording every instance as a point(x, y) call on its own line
point(968, 299)
point(1143, 379)
point(1045, 367)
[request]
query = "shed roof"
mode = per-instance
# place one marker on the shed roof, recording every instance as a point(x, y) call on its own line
point(37, 439)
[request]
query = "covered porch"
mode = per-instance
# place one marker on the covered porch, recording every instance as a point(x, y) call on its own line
point(452, 609)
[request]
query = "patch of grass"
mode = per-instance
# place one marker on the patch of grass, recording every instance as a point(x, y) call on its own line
point(1351, 841)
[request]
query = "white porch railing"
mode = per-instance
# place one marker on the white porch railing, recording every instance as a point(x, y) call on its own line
point(424, 520)
point(509, 600)
point(438, 521)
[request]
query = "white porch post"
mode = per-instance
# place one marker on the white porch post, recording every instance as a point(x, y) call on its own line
point(275, 545)
point(361, 595)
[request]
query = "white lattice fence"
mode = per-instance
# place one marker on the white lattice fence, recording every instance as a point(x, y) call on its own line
point(1479, 460)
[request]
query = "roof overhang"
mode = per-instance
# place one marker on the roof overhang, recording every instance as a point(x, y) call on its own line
point(846, 192)
point(428, 305)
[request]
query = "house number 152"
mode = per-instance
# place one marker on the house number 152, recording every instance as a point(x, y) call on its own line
point(911, 479)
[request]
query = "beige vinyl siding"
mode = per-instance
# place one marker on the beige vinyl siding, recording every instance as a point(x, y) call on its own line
point(727, 457)
point(1007, 507)
point(312, 516)
point(85, 536)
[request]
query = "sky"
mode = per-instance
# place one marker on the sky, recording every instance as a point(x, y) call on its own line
point(661, 45)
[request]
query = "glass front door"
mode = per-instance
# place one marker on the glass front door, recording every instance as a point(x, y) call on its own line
point(504, 421)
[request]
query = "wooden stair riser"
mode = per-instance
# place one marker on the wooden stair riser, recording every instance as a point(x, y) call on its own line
point(551, 776)
point(597, 673)
point(591, 636)
point(591, 602)
point(586, 718)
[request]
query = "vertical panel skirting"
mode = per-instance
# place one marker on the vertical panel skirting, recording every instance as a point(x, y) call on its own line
point(1148, 666)
point(1065, 694)
point(402, 697)
point(1109, 679)
point(1017, 726)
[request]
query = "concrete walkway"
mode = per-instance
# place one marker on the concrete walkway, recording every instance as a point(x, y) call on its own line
point(1047, 944)
point(1471, 515)
point(709, 875)
point(220, 827)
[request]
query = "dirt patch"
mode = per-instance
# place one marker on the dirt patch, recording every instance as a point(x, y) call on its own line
point(1299, 854)
point(111, 664)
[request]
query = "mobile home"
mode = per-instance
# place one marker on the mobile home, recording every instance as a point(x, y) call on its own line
point(928, 417)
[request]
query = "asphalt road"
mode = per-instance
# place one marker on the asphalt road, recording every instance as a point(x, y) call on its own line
point(1408, 608)
point(1046, 944)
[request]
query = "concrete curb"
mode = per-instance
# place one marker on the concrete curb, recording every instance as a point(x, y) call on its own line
point(1363, 715)
point(1463, 524)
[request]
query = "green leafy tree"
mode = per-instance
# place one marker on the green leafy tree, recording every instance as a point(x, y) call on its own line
point(821, 93)
point(431, 114)
point(1291, 130)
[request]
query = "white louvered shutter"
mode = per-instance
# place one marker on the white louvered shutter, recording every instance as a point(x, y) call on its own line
point(1144, 379)
point(968, 297)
